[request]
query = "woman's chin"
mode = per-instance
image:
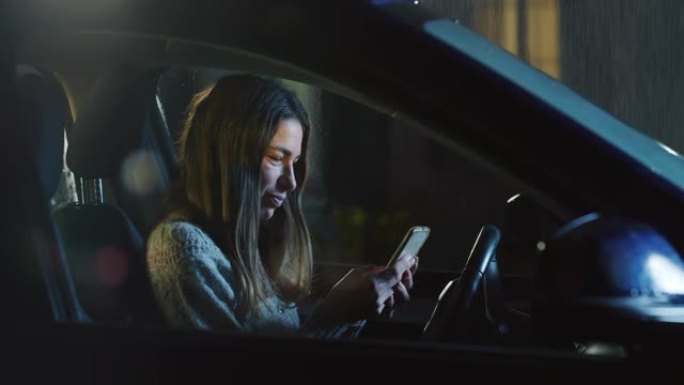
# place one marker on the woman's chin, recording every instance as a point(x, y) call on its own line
point(267, 214)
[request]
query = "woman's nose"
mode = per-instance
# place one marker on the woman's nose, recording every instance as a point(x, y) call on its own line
point(288, 181)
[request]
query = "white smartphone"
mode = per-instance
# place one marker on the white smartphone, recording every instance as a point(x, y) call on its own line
point(411, 244)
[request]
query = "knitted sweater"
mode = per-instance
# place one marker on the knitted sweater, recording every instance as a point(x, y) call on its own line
point(196, 286)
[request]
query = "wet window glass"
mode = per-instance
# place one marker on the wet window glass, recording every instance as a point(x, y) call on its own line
point(618, 54)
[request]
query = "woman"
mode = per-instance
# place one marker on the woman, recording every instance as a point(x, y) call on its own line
point(234, 251)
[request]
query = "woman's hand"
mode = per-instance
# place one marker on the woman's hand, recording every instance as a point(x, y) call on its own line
point(370, 291)
point(401, 289)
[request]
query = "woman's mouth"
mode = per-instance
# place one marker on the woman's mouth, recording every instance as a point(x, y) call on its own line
point(274, 200)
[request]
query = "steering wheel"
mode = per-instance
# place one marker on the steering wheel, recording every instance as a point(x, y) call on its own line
point(449, 320)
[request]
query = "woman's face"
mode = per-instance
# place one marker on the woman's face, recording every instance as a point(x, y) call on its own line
point(277, 166)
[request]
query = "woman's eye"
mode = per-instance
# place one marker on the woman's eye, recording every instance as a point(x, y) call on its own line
point(276, 158)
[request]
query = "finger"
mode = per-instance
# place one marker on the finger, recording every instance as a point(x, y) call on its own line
point(386, 312)
point(389, 302)
point(407, 279)
point(394, 273)
point(401, 293)
point(414, 268)
point(386, 306)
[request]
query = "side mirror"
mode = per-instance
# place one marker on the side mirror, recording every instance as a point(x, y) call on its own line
point(603, 278)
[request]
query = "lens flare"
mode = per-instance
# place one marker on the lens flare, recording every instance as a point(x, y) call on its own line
point(668, 276)
point(140, 173)
point(111, 265)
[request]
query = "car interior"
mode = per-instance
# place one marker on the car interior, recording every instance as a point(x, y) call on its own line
point(103, 110)
point(110, 133)
point(106, 130)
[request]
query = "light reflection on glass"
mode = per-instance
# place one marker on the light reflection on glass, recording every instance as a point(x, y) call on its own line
point(669, 276)
point(140, 173)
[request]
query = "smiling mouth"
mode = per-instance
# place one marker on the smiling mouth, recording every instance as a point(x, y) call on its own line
point(275, 200)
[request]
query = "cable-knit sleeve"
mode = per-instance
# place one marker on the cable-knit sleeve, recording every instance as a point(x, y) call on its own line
point(192, 280)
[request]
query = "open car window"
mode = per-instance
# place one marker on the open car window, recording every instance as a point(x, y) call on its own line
point(373, 176)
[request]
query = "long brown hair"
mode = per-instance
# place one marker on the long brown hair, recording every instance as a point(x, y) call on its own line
point(227, 131)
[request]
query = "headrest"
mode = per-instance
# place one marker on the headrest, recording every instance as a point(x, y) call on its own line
point(44, 111)
point(111, 121)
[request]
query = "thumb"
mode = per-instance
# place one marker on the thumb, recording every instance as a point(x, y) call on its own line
point(394, 273)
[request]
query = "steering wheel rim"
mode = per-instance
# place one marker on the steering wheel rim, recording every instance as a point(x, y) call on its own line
point(450, 316)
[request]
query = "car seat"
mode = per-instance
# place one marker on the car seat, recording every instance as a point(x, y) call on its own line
point(104, 247)
point(44, 112)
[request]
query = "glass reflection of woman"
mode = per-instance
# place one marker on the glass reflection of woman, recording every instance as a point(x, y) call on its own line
point(234, 252)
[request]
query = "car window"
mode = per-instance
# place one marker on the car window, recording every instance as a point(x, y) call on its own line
point(373, 176)
point(618, 56)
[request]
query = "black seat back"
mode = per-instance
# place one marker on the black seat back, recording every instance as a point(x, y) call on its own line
point(104, 248)
point(105, 252)
point(44, 114)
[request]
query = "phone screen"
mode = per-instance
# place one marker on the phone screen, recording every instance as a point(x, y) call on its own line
point(412, 242)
